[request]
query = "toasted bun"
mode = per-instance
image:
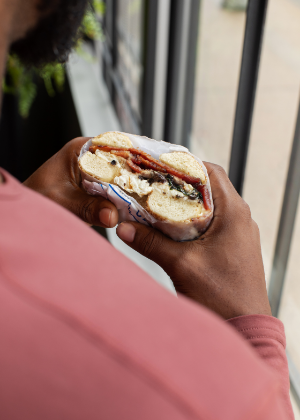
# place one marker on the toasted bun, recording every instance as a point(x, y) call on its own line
point(114, 139)
point(164, 203)
point(164, 207)
point(98, 168)
point(184, 162)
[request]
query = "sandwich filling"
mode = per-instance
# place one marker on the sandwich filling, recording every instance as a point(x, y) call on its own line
point(144, 174)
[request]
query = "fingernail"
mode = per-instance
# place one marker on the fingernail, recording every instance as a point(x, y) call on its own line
point(104, 216)
point(126, 232)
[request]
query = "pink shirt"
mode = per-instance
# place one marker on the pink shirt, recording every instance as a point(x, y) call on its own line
point(86, 334)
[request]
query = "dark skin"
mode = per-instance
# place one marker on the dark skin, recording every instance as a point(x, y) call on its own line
point(59, 179)
point(222, 270)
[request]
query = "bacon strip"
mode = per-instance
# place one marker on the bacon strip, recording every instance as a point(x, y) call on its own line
point(116, 151)
point(125, 154)
point(166, 168)
point(133, 166)
point(93, 149)
point(138, 160)
point(139, 157)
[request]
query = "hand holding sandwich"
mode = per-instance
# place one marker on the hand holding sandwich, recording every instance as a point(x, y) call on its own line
point(59, 179)
point(223, 269)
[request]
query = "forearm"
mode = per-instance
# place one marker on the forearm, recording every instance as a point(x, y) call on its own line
point(267, 337)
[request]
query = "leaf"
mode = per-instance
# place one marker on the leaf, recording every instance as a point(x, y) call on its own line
point(27, 94)
point(52, 72)
point(90, 25)
point(99, 7)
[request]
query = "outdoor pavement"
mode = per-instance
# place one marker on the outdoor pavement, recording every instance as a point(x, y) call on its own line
point(219, 58)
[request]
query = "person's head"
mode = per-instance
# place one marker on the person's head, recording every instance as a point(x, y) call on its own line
point(52, 27)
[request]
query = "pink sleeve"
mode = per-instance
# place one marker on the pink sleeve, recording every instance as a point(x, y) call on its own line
point(266, 335)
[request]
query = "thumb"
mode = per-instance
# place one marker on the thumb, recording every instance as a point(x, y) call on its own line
point(149, 242)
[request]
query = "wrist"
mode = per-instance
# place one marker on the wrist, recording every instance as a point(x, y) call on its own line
point(229, 298)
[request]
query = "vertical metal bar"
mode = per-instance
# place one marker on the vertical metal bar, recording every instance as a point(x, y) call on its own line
point(256, 14)
point(286, 225)
point(182, 57)
point(181, 76)
point(149, 75)
point(191, 73)
point(161, 68)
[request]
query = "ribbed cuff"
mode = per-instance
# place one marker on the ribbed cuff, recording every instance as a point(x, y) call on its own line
point(259, 326)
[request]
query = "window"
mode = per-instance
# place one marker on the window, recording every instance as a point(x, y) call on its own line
point(224, 82)
point(220, 46)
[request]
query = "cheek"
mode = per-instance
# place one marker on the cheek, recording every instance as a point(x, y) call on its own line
point(29, 14)
point(46, 7)
point(26, 18)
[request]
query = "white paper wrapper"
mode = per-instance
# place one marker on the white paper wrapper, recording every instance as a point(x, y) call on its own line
point(130, 210)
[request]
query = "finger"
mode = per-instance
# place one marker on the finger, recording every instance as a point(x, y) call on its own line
point(77, 143)
point(220, 183)
point(149, 242)
point(93, 210)
point(225, 197)
point(229, 208)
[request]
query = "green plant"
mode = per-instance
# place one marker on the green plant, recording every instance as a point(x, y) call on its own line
point(22, 81)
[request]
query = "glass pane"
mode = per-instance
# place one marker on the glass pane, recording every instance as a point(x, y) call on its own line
point(130, 39)
point(290, 304)
point(219, 56)
point(220, 44)
point(274, 121)
point(109, 10)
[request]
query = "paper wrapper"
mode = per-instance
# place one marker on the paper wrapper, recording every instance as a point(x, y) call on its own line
point(130, 210)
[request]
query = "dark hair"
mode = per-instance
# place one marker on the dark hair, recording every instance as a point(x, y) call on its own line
point(54, 36)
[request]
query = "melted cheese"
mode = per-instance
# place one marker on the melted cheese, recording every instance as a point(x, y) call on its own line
point(130, 182)
point(188, 188)
point(165, 189)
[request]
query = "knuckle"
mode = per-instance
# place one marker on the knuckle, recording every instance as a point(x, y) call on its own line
point(242, 210)
point(246, 211)
point(255, 228)
point(85, 211)
point(75, 145)
point(220, 169)
point(236, 213)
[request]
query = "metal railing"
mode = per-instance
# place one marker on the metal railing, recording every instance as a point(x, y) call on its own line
point(256, 14)
point(171, 36)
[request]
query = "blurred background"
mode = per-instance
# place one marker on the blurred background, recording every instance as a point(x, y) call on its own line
point(221, 77)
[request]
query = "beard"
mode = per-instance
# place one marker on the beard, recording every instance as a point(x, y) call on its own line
point(54, 36)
